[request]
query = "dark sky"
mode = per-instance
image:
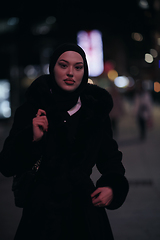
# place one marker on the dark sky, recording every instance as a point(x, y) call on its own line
point(121, 15)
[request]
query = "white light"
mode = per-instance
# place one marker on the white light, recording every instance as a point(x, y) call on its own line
point(121, 81)
point(148, 58)
point(5, 109)
point(143, 4)
point(91, 42)
point(4, 89)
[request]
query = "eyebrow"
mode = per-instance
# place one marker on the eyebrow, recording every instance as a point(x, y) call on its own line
point(68, 62)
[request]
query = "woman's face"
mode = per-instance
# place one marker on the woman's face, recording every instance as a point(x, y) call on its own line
point(69, 70)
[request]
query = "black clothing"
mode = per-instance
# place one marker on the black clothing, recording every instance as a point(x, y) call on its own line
point(60, 206)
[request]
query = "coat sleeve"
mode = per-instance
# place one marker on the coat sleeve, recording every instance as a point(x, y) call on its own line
point(19, 152)
point(110, 165)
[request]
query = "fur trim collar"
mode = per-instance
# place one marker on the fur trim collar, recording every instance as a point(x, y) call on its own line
point(40, 95)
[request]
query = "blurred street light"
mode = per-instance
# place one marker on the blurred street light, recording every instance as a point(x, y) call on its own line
point(121, 81)
point(137, 36)
point(148, 58)
point(112, 74)
point(154, 53)
point(143, 4)
point(157, 87)
point(5, 109)
point(91, 42)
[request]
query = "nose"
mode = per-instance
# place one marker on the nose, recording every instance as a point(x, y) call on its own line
point(70, 72)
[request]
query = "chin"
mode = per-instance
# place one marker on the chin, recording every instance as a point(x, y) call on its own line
point(69, 89)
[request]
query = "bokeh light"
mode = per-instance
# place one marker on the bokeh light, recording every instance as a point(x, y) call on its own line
point(143, 4)
point(137, 37)
point(156, 86)
point(121, 81)
point(154, 53)
point(13, 21)
point(5, 109)
point(90, 81)
point(32, 71)
point(112, 74)
point(108, 65)
point(148, 58)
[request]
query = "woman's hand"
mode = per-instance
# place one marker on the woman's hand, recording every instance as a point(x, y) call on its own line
point(102, 196)
point(40, 125)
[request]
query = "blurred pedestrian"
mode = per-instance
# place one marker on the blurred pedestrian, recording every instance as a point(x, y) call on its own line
point(65, 121)
point(117, 110)
point(143, 111)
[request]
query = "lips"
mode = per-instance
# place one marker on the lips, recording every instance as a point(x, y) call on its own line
point(69, 81)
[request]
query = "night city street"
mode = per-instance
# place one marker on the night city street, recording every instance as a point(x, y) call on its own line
point(125, 38)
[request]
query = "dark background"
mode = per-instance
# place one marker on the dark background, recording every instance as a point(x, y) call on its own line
point(25, 42)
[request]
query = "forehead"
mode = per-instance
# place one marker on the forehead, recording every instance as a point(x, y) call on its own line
point(71, 56)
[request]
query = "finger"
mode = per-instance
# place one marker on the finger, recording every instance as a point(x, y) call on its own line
point(44, 118)
point(40, 112)
point(98, 204)
point(39, 122)
point(106, 196)
point(96, 201)
point(39, 119)
point(99, 199)
point(96, 192)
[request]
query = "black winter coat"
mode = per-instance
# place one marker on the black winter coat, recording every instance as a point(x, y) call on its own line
point(60, 206)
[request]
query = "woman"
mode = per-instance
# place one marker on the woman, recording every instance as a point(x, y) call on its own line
point(66, 121)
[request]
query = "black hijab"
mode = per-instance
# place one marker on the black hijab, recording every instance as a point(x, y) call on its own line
point(65, 100)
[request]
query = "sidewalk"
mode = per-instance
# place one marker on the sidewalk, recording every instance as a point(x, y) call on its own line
point(139, 217)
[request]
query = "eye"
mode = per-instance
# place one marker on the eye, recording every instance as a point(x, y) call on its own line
point(79, 67)
point(63, 65)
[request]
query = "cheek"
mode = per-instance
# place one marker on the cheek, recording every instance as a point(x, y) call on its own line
point(80, 77)
point(58, 75)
